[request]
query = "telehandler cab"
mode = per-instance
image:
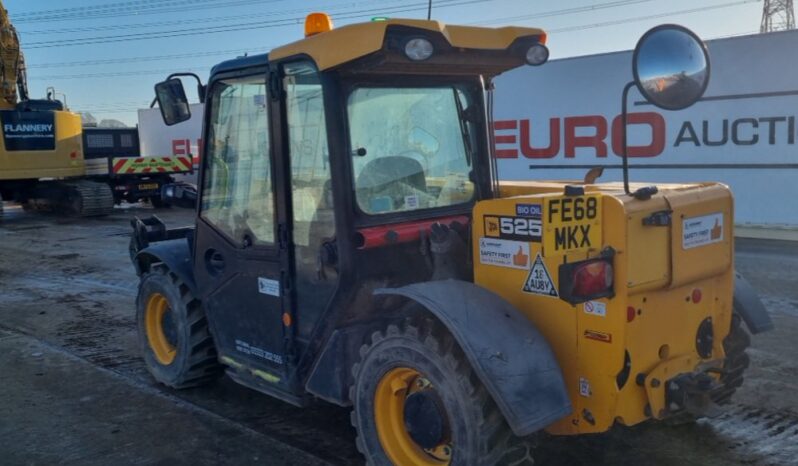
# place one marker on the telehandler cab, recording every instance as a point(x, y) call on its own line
point(353, 244)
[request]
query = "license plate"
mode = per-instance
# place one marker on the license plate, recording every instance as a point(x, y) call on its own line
point(148, 186)
point(571, 223)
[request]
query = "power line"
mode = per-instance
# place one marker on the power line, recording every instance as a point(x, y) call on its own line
point(173, 7)
point(566, 11)
point(647, 17)
point(111, 61)
point(116, 74)
point(558, 30)
point(106, 6)
point(161, 71)
point(231, 28)
point(215, 19)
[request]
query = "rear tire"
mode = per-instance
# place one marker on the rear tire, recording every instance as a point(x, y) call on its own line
point(173, 332)
point(735, 363)
point(394, 364)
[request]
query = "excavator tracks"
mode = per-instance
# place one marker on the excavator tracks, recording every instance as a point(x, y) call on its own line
point(88, 198)
point(78, 198)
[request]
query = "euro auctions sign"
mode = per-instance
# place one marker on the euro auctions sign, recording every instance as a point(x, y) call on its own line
point(561, 119)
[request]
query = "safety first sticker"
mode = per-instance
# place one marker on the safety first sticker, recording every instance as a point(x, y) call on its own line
point(572, 223)
point(539, 281)
point(137, 165)
point(504, 253)
point(703, 230)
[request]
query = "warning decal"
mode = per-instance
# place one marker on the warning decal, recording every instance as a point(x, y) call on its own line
point(539, 281)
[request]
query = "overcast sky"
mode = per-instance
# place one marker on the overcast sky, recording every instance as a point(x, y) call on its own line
point(105, 55)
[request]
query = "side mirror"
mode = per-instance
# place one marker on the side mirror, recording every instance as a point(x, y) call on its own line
point(172, 101)
point(671, 67)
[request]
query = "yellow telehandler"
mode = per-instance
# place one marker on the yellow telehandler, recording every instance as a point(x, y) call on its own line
point(353, 244)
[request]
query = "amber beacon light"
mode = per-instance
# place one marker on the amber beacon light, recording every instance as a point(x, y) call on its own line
point(316, 23)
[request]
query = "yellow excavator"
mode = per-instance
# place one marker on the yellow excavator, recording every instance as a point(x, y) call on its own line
point(41, 157)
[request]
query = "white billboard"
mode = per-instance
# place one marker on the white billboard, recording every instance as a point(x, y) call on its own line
point(559, 120)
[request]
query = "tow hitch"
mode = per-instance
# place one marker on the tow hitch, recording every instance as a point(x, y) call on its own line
point(691, 393)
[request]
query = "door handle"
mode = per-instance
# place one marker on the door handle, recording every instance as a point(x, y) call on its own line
point(214, 261)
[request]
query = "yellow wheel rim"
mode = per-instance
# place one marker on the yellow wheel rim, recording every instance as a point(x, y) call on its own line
point(389, 401)
point(157, 309)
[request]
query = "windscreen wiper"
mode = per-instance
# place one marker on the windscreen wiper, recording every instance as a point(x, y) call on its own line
point(461, 117)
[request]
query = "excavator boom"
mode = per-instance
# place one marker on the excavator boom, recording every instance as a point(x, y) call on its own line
point(12, 63)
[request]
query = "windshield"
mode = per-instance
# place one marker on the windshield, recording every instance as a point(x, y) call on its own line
point(411, 147)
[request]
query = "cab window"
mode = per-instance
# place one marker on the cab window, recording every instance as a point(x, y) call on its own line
point(410, 148)
point(237, 190)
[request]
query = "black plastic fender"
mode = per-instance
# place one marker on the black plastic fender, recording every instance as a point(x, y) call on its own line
point(508, 354)
point(750, 307)
point(175, 254)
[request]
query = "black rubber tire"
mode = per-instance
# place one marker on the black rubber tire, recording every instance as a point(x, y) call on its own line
point(735, 363)
point(195, 362)
point(480, 434)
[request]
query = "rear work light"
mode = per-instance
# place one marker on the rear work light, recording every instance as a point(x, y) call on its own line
point(590, 279)
point(537, 55)
point(419, 49)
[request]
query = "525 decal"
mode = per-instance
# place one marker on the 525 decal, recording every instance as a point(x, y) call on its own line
point(514, 228)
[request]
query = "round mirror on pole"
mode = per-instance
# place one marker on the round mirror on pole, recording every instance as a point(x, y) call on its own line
point(671, 67)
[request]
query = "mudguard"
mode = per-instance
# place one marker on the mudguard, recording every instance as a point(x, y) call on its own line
point(508, 354)
point(175, 254)
point(749, 306)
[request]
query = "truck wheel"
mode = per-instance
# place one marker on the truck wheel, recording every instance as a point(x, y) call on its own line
point(173, 332)
point(417, 402)
point(736, 362)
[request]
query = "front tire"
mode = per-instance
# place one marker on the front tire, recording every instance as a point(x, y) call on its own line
point(173, 332)
point(418, 402)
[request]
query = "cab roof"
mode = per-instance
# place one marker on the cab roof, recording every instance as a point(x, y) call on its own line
point(352, 42)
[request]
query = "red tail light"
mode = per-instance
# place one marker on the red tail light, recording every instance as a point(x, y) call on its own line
point(592, 278)
point(586, 280)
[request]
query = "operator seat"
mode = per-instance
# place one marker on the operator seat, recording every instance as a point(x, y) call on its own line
point(395, 177)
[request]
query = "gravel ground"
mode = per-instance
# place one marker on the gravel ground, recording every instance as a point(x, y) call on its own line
point(74, 389)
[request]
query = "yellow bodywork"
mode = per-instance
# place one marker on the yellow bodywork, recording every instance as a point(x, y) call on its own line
point(348, 43)
point(655, 272)
point(66, 160)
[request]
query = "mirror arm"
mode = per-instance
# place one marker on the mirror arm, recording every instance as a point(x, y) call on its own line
point(624, 146)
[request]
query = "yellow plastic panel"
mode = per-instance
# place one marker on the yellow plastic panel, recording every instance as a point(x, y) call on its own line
point(649, 254)
point(702, 239)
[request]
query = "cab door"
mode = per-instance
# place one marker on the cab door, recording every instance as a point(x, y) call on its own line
point(239, 260)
